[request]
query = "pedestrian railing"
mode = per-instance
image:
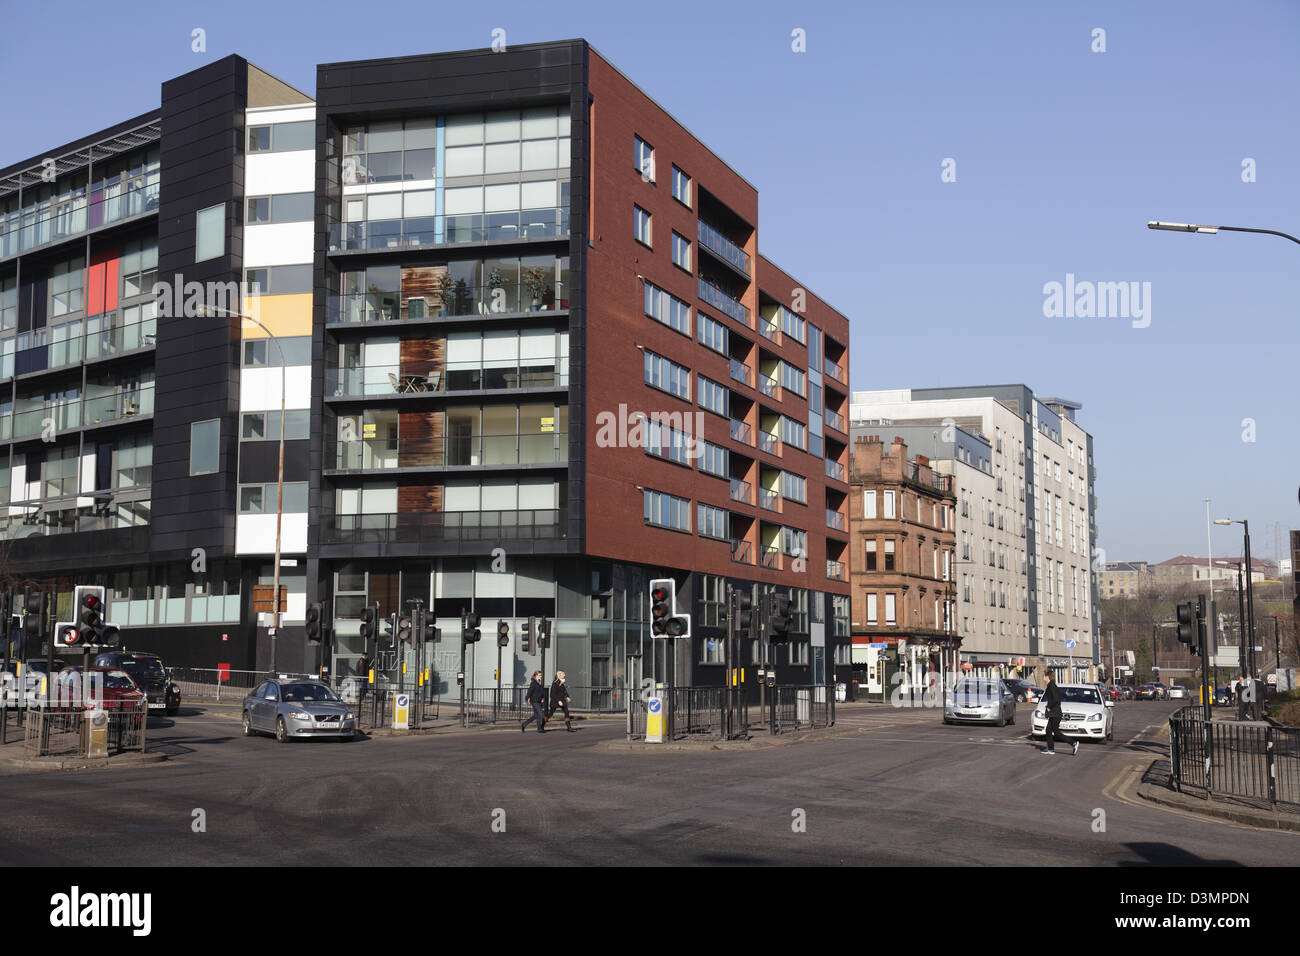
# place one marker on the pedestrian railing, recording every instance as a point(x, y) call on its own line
point(53, 731)
point(702, 712)
point(801, 708)
point(1225, 758)
point(211, 683)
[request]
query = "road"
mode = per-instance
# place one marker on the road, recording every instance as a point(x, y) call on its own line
point(903, 790)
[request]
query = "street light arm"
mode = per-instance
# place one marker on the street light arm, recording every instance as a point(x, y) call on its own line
point(1211, 230)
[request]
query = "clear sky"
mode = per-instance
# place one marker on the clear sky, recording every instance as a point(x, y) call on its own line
point(1061, 155)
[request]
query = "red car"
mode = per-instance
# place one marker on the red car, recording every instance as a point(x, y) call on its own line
point(110, 687)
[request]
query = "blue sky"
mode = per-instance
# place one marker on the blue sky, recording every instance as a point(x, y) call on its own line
point(1061, 156)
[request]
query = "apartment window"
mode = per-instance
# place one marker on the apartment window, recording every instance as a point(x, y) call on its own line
point(643, 157)
point(665, 374)
point(944, 513)
point(889, 555)
point(265, 426)
point(794, 487)
point(681, 251)
point(794, 379)
point(668, 309)
point(681, 187)
point(714, 522)
point(205, 446)
point(714, 460)
point(794, 542)
point(872, 602)
point(281, 137)
point(139, 267)
point(871, 555)
point(210, 233)
point(278, 280)
point(667, 511)
point(641, 225)
point(285, 207)
point(296, 350)
point(66, 287)
point(891, 616)
point(890, 511)
point(713, 334)
point(663, 441)
point(794, 325)
point(712, 396)
point(794, 433)
point(868, 504)
point(799, 652)
point(261, 498)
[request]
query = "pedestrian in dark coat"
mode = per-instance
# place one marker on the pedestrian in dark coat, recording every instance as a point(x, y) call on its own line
point(1052, 697)
point(560, 698)
point(536, 697)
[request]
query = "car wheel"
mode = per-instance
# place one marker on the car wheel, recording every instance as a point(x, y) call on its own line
point(1002, 719)
point(281, 732)
point(248, 726)
point(1012, 721)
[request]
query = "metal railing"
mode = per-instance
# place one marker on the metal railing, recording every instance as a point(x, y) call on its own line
point(834, 371)
point(837, 421)
point(386, 380)
point(536, 448)
point(836, 571)
point(835, 470)
point(458, 300)
point(211, 683)
point(1255, 763)
point(444, 525)
point(802, 708)
point(740, 432)
point(740, 371)
point(713, 295)
point(720, 245)
point(740, 491)
point(700, 712)
point(836, 520)
point(62, 730)
point(551, 223)
point(742, 552)
point(769, 500)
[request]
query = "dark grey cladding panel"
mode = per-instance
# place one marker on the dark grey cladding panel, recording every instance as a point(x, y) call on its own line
point(260, 461)
point(197, 370)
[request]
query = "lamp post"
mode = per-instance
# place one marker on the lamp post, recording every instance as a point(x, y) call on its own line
point(1248, 656)
point(279, 484)
point(1212, 230)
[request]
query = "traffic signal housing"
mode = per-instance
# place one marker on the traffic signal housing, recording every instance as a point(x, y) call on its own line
point(665, 621)
point(778, 618)
point(469, 627)
point(503, 634)
point(526, 632)
point(403, 629)
point(314, 624)
point(544, 632)
point(370, 622)
point(33, 616)
point(1187, 624)
point(431, 631)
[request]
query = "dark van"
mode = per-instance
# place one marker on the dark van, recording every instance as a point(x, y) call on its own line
point(149, 675)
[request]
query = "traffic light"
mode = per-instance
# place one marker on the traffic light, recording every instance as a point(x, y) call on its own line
point(370, 622)
point(314, 624)
point(1187, 624)
point(743, 613)
point(429, 629)
point(544, 632)
point(403, 629)
point(33, 616)
point(89, 602)
point(526, 632)
point(503, 634)
point(469, 624)
point(666, 622)
point(778, 620)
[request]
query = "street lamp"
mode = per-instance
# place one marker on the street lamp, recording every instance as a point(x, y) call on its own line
point(1247, 657)
point(279, 486)
point(1212, 230)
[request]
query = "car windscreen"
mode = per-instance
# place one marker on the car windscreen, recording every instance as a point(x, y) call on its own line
point(1080, 695)
point(306, 692)
point(975, 690)
point(147, 667)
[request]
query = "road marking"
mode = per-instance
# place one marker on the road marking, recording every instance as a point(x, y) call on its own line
point(1119, 790)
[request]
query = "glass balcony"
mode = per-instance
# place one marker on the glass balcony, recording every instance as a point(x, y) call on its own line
point(371, 380)
point(837, 421)
point(110, 405)
point(442, 526)
point(836, 520)
point(715, 297)
point(724, 248)
point(106, 335)
point(740, 491)
point(43, 520)
point(770, 500)
point(740, 432)
point(767, 329)
point(739, 371)
point(835, 470)
point(834, 371)
point(771, 558)
point(768, 386)
point(769, 443)
point(54, 220)
point(34, 421)
point(741, 551)
point(457, 301)
point(380, 234)
point(836, 571)
point(547, 448)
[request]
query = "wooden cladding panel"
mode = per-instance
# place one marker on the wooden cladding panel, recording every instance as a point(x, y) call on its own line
point(423, 282)
point(419, 498)
point(420, 441)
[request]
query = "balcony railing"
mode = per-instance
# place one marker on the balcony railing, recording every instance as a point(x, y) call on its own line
point(740, 371)
point(740, 432)
point(837, 421)
point(768, 386)
point(713, 295)
point(740, 491)
point(93, 410)
point(769, 443)
point(834, 371)
point(771, 558)
point(742, 552)
point(933, 480)
point(99, 340)
point(835, 470)
point(72, 218)
point(442, 526)
point(723, 247)
point(373, 380)
point(40, 523)
point(836, 571)
point(835, 520)
point(767, 329)
point(458, 301)
point(379, 234)
point(770, 500)
point(548, 448)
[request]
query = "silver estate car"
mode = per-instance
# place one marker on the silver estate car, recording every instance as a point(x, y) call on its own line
point(292, 708)
point(980, 699)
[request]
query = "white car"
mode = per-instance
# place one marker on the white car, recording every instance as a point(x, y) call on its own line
point(1177, 692)
point(1083, 714)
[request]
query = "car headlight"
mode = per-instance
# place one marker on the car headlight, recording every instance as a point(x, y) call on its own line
point(1095, 717)
point(1039, 715)
point(299, 715)
point(349, 716)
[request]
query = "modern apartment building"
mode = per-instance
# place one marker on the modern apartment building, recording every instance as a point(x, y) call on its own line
point(903, 518)
point(512, 321)
point(1025, 528)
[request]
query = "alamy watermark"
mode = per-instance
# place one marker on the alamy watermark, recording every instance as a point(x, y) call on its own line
point(1083, 299)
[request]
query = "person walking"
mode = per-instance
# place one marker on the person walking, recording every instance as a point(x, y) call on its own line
point(560, 698)
point(536, 697)
point(1052, 696)
point(363, 676)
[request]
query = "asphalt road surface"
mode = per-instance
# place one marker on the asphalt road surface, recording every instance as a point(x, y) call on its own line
point(903, 789)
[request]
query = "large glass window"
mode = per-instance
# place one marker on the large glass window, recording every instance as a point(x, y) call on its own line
point(641, 225)
point(210, 233)
point(667, 375)
point(205, 446)
point(262, 498)
point(714, 522)
point(265, 426)
point(713, 334)
point(281, 137)
point(667, 511)
point(712, 395)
